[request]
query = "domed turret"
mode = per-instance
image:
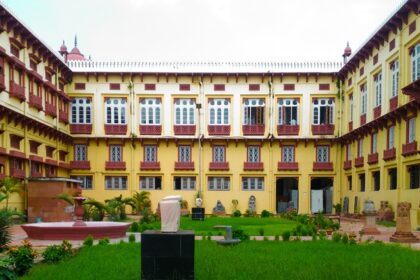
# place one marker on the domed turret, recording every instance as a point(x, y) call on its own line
point(75, 54)
point(347, 52)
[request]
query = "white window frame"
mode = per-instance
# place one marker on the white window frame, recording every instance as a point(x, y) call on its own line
point(219, 111)
point(363, 99)
point(150, 153)
point(360, 148)
point(219, 153)
point(254, 111)
point(411, 130)
point(218, 183)
point(378, 89)
point(348, 152)
point(395, 78)
point(115, 110)
point(184, 111)
point(351, 107)
point(115, 182)
point(150, 183)
point(80, 152)
point(184, 153)
point(150, 110)
point(253, 154)
point(374, 143)
point(81, 110)
point(187, 183)
point(253, 183)
point(321, 104)
point(87, 181)
point(288, 153)
point(391, 137)
point(115, 153)
point(288, 110)
point(415, 63)
point(322, 153)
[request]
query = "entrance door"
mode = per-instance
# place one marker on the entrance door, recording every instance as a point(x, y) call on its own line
point(317, 201)
point(322, 195)
point(287, 194)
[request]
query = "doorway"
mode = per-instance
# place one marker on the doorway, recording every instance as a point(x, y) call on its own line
point(287, 194)
point(321, 195)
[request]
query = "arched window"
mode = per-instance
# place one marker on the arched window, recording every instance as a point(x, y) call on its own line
point(184, 111)
point(219, 111)
point(150, 111)
point(81, 110)
point(115, 111)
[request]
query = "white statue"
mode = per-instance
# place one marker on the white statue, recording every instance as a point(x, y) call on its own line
point(170, 213)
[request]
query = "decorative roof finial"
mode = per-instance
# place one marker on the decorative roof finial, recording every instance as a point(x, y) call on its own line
point(75, 40)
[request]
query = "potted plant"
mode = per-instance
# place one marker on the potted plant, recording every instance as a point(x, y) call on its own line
point(337, 208)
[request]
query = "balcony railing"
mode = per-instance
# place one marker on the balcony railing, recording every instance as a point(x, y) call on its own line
point(347, 165)
point(80, 164)
point(322, 166)
point(146, 129)
point(115, 165)
point(36, 174)
point(393, 103)
point(116, 129)
point(389, 154)
point(17, 91)
point(373, 158)
point(323, 129)
point(218, 129)
point(287, 166)
point(2, 82)
point(184, 129)
point(409, 148)
point(150, 165)
point(359, 161)
point(219, 166)
point(253, 129)
point(286, 129)
point(350, 126)
point(17, 173)
point(376, 112)
point(63, 117)
point(254, 166)
point(51, 110)
point(363, 119)
point(81, 128)
point(35, 101)
point(184, 165)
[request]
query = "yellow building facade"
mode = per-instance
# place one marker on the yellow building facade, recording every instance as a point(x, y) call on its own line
point(301, 135)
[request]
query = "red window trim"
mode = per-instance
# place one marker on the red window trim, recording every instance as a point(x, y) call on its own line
point(212, 151)
point(259, 151)
point(113, 145)
point(191, 150)
point(156, 151)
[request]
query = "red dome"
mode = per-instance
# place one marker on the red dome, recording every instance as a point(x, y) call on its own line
point(63, 48)
point(347, 50)
point(75, 55)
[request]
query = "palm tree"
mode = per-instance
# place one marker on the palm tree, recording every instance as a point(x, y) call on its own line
point(9, 186)
point(99, 207)
point(117, 205)
point(142, 200)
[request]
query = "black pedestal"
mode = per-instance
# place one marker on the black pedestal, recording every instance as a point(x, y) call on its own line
point(197, 213)
point(167, 255)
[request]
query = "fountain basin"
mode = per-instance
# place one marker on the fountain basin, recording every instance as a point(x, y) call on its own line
point(66, 230)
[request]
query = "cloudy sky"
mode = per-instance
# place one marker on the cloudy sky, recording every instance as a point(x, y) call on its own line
point(206, 30)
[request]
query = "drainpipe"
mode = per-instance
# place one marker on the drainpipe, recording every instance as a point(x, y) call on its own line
point(270, 136)
point(200, 134)
point(133, 122)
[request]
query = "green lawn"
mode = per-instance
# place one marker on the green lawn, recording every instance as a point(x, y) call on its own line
point(249, 260)
point(271, 226)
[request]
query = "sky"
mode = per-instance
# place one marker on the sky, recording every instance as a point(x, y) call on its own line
point(205, 30)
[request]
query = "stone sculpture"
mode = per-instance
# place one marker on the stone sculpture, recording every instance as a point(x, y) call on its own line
point(170, 212)
point(369, 221)
point(219, 209)
point(403, 231)
point(252, 204)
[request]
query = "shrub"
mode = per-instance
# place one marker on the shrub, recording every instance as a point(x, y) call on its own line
point(6, 220)
point(261, 232)
point(88, 240)
point(6, 269)
point(131, 238)
point(276, 237)
point(236, 213)
point(303, 219)
point(104, 241)
point(265, 238)
point(286, 235)
point(56, 253)
point(134, 227)
point(322, 235)
point(314, 237)
point(239, 234)
point(336, 237)
point(248, 213)
point(22, 258)
point(345, 238)
point(266, 214)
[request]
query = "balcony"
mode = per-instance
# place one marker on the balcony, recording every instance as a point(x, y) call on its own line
point(409, 148)
point(17, 173)
point(286, 129)
point(150, 129)
point(287, 166)
point(220, 166)
point(376, 112)
point(116, 129)
point(64, 165)
point(322, 166)
point(184, 165)
point(347, 165)
point(2, 83)
point(149, 165)
point(36, 158)
point(51, 110)
point(184, 129)
point(51, 162)
point(81, 128)
point(115, 165)
point(323, 129)
point(363, 119)
point(80, 164)
point(389, 154)
point(373, 158)
point(63, 117)
point(253, 129)
point(17, 154)
point(393, 103)
point(17, 91)
point(218, 129)
point(36, 174)
point(35, 102)
point(253, 166)
point(350, 126)
point(359, 161)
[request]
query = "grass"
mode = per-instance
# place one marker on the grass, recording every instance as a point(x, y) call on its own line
point(386, 223)
point(249, 260)
point(252, 226)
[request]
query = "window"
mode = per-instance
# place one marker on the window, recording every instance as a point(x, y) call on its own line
point(33, 147)
point(323, 111)
point(49, 151)
point(184, 111)
point(395, 77)
point(116, 182)
point(322, 153)
point(115, 109)
point(184, 183)
point(391, 137)
point(252, 184)
point(288, 153)
point(14, 50)
point(253, 153)
point(35, 168)
point(362, 182)
point(415, 63)
point(115, 153)
point(219, 111)
point(374, 143)
point(15, 141)
point(219, 183)
point(150, 111)
point(411, 130)
point(50, 171)
point(150, 153)
point(184, 153)
point(348, 152)
point(253, 111)
point(350, 182)
point(87, 181)
point(81, 109)
point(392, 178)
point(351, 108)
point(288, 111)
point(80, 152)
point(414, 174)
point(150, 183)
point(16, 163)
point(363, 99)
point(376, 176)
point(360, 148)
point(219, 154)
point(378, 89)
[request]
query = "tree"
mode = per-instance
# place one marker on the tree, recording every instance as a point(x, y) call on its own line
point(8, 186)
point(142, 201)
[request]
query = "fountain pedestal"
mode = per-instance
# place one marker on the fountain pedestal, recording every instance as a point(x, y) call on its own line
point(78, 211)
